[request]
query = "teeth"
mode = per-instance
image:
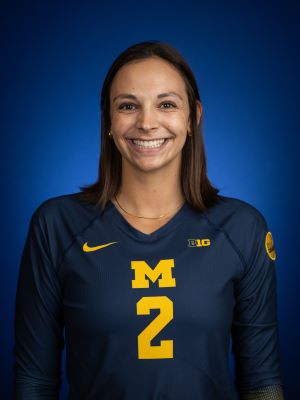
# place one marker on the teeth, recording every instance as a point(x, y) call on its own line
point(149, 143)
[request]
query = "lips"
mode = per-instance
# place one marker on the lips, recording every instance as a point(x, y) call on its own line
point(152, 146)
point(146, 140)
point(148, 144)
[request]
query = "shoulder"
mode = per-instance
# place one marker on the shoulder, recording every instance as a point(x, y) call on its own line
point(58, 220)
point(242, 224)
point(56, 204)
point(63, 208)
point(235, 213)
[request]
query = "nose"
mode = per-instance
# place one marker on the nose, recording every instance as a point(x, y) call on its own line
point(146, 119)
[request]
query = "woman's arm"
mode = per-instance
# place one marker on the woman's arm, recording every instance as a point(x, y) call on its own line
point(255, 336)
point(38, 319)
point(273, 392)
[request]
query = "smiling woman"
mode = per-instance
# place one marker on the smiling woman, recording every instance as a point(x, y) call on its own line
point(149, 270)
point(150, 136)
point(150, 93)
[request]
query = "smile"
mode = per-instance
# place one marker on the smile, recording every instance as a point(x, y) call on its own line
point(148, 145)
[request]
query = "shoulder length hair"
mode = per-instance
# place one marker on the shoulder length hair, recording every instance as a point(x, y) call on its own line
point(196, 187)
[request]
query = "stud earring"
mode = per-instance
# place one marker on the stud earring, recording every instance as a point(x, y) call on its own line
point(110, 135)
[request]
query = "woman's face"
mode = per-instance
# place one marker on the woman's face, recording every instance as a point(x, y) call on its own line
point(149, 113)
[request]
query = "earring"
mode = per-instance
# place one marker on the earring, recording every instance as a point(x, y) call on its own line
point(110, 135)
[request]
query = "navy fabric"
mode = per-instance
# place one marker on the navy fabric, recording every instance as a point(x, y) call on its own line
point(149, 316)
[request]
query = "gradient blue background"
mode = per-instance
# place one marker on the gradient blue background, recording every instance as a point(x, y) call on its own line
point(245, 56)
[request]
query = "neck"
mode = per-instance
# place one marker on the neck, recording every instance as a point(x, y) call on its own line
point(150, 193)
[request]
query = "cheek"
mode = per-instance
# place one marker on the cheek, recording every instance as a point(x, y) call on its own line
point(177, 125)
point(119, 143)
point(120, 121)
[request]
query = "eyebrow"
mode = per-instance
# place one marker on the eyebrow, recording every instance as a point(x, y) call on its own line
point(131, 96)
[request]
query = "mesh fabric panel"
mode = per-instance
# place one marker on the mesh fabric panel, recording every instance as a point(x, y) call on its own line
point(273, 392)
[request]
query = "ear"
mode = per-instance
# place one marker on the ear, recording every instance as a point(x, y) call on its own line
point(199, 111)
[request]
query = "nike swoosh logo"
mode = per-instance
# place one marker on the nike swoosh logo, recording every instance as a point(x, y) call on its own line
point(87, 248)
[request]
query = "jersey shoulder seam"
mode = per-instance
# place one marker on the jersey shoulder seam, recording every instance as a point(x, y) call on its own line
point(231, 242)
point(38, 213)
point(74, 236)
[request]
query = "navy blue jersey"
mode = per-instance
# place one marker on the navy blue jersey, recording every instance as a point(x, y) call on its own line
point(147, 316)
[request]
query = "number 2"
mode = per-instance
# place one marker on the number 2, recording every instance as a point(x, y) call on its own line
point(165, 305)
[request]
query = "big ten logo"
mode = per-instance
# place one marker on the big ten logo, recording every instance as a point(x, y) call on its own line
point(162, 274)
point(198, 242)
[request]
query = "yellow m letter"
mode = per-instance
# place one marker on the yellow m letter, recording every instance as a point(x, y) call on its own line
point(163, 269)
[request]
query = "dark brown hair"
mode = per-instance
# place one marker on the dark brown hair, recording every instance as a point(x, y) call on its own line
point(196, 187)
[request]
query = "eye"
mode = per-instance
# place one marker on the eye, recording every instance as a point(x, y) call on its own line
point(122, 106)
point(170, 104)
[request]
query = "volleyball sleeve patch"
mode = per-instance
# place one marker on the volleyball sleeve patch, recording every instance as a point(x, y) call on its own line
point(269, 245)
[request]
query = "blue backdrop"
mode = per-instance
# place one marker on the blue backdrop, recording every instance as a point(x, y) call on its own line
point(245, 55)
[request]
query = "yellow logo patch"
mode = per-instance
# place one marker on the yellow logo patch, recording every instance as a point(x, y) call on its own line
point(87, 248)
point(269, 244)
point(198, 242)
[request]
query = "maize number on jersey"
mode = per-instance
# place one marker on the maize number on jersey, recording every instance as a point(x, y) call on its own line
point(163, 274)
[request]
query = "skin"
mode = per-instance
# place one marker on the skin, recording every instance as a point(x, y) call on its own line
point(150, 180)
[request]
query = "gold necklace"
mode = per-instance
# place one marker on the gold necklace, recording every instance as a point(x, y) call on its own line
point(138, 216)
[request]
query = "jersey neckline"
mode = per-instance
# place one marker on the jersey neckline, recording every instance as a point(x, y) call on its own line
point(118, 220)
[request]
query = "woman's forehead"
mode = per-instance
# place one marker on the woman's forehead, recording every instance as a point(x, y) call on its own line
point(151, 75)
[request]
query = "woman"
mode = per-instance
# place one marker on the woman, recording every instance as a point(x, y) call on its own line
point(149, 270)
